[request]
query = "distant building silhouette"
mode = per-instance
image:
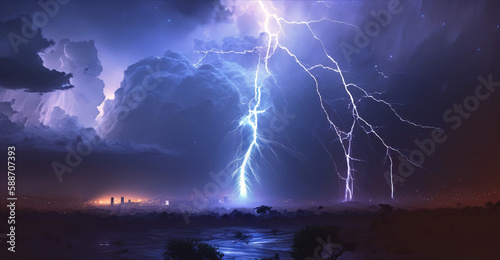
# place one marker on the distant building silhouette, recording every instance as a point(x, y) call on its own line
point(128, 200)
point(122, 200)
point(112, 201)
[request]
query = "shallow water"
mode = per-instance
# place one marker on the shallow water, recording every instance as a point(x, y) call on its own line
point(151, 244)
point(263, 243)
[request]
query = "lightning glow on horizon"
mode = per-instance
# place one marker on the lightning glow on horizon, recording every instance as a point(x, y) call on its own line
point(345, 137)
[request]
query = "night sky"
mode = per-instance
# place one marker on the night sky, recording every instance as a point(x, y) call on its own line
point(146, 86)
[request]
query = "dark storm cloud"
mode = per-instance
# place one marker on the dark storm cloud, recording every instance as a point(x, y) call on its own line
point(64, 132)
point(8, 127)
point(202, 10)
point(20, 65)
point(428, 51)
point(166, 100)
point(131, 30)
point(124, 31)
point(6, 109)
point(80, 59)
point(77, 152)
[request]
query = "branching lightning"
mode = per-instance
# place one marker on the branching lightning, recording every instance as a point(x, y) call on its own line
point(245, 169)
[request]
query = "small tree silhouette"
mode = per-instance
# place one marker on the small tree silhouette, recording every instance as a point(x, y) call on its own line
point(191, 248)
point(385, 207)
point(275, 232)
point(275, 257)
point(263, 209)
point(320, 242)
point(240, 236)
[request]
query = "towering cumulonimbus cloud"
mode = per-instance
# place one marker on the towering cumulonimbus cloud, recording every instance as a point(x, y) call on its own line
point(168, 101)
point(81, 60)
point(78, 59)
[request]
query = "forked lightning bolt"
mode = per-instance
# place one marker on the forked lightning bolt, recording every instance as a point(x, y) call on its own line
point(245, 169)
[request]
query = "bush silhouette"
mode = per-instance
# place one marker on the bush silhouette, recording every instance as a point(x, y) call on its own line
point(240, 236)
point(263, 209)
point(385, 207)
point(192, 249)
point(275, 257)
point(320, 242)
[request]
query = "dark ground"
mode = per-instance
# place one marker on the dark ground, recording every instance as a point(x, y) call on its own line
point(447, 233)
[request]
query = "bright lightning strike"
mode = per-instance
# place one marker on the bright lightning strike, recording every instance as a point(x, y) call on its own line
point(273, 28)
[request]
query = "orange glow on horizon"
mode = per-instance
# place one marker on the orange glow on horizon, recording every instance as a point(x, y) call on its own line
point(106, 200)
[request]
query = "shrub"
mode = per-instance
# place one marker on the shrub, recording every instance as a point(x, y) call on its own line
point(320, 242)
point(190, 248)
point(275, 257)
point(385, 207)
point(263, 209)
point(240, 236)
